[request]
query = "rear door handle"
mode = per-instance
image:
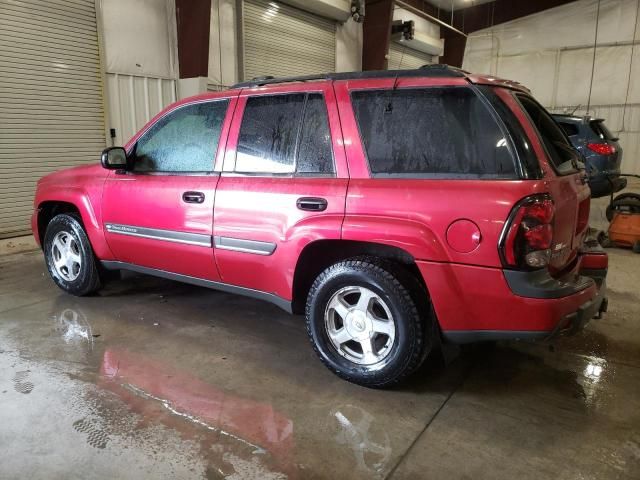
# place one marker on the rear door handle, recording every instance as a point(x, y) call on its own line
point(312, 204)
point(193, 197)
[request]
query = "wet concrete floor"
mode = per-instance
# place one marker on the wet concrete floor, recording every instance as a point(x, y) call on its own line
point(154, 379)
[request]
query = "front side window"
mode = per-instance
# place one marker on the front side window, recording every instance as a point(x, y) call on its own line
point(561, 153)
point(185, 140)
point(285, 134)
point(431, 132)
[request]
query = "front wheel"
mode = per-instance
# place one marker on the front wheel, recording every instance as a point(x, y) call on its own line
point(368, 322)
point(69, 256)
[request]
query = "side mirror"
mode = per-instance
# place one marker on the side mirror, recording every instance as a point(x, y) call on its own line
point(114, 158)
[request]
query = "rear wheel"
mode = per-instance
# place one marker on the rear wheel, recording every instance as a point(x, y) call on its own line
point(636, 246)
point(368, 323)
point(69, 256)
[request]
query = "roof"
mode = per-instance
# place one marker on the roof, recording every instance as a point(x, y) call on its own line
point(431, 71)
point(567, 117)
point(427, 71)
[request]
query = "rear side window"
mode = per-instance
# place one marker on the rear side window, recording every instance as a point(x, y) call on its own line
point(285, 134)
point(431, 132)
point(569, 128)
point(314, 152)
point(184, 140)
point(563, 156)
point(600, 129)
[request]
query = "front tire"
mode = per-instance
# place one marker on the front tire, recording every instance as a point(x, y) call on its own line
point(69, 256)
point(368, 322)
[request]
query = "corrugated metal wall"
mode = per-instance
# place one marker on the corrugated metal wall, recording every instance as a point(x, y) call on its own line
point(134, 100)
point(402, 57)
point(51, 104)
point(282, 41)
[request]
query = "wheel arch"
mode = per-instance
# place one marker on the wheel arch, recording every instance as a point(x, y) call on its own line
point(320, 254)
point(49, 209)
point(72, 200)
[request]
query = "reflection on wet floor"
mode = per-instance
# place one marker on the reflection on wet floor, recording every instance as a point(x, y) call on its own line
point(153, 379)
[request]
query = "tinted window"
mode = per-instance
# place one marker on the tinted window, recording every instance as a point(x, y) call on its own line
point(268, 134)
point(600, 129)
point(562, 155)
point(431, 131)
point(314, 151)
point(569, 128)
point(185, 140)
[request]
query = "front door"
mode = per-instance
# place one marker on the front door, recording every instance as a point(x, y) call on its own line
point(283, 185)
point(159, 213)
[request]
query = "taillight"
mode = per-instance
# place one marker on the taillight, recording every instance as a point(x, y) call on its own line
point(602, 148)
point(528, 234)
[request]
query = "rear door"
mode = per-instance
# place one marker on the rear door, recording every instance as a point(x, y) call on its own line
point(566, 183)
point(283, 184)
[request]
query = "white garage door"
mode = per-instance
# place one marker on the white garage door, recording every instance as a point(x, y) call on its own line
point(51, 111)
point(405, 58)
point(283, 41)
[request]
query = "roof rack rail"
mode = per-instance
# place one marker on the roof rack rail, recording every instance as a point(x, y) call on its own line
point(435, 70)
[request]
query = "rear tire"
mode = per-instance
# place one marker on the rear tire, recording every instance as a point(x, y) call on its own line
point(69, 256)
point(636, 246)
point(368, 322)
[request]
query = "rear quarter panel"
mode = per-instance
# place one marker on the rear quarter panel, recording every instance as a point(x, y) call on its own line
point(415, 214)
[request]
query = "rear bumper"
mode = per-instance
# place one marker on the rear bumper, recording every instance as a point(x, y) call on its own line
point(603, 185)
point(574, 322)
point(478, 303)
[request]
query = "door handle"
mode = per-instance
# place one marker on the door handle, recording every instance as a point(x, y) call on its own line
point(312, 204)
point(193, 197)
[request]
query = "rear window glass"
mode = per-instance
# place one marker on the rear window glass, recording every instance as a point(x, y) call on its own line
point(600, 129)
point(431, 132)
point(563, 156)
point(569, 128)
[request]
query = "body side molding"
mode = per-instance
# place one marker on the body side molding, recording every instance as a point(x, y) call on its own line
point(242, 245)
point(197, 239)
point(223, 287)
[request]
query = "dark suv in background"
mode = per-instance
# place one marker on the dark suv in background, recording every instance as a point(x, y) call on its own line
point(601, 150)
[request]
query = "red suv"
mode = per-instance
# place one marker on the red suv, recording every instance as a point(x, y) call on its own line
point(396, 209)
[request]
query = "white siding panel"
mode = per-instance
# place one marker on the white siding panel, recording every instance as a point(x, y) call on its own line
point(281, 40)
point(51, 106)
point(134, 100)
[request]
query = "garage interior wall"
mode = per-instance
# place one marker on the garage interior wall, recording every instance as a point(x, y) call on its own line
point(140, 58)
point(224, 51)
point(51, 99)
point(552, 53)
point(223, 48)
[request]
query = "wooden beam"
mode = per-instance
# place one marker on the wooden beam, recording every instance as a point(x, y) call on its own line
point(376, 34)
point(192, 20)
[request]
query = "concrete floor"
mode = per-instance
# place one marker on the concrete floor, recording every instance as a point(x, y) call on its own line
point(154, 379)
